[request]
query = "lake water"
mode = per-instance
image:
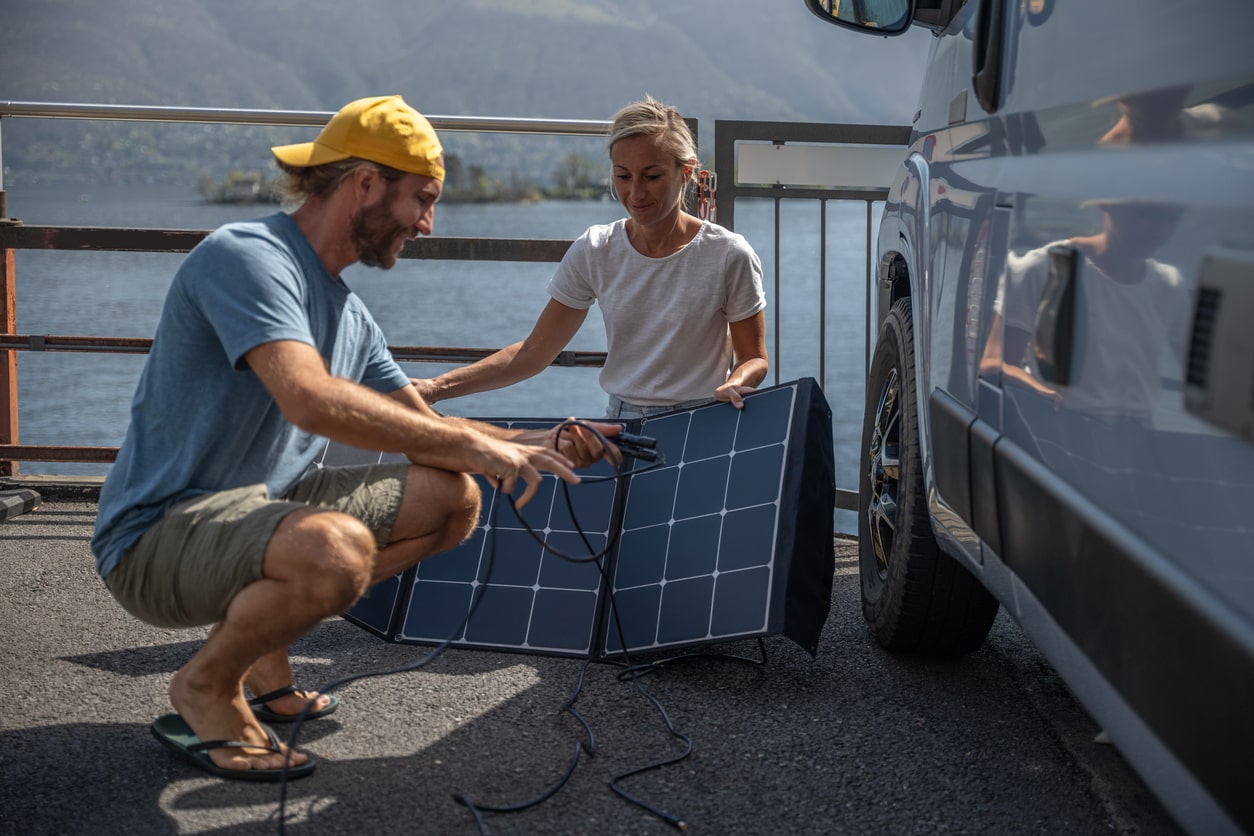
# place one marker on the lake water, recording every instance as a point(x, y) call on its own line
point(84, 399)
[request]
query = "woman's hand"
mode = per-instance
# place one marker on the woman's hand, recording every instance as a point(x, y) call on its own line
point(733, 394)
point(579, 445)
point(426, 389)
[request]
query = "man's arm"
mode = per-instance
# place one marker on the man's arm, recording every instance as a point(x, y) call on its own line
point(318, 402)
point(581, 447)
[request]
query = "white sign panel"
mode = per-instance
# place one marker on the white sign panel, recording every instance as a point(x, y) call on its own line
point(823, 166)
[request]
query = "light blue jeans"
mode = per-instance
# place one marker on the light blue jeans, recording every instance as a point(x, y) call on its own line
point(620, 410)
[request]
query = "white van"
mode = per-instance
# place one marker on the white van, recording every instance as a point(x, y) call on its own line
point(1060, 406)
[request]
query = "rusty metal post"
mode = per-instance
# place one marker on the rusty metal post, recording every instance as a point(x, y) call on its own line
point(8, 358)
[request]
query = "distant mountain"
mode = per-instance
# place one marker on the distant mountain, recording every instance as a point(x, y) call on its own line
point(576, 59)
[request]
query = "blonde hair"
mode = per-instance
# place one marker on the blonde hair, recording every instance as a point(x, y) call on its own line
point(649, 117)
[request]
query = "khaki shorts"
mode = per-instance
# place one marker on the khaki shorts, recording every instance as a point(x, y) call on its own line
point(186, 569)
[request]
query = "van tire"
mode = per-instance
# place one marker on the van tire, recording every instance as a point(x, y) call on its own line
point(916, 598)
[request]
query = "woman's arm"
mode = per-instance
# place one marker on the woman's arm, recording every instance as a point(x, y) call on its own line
point(751, 363)
point(553, 330)
point(580, 447)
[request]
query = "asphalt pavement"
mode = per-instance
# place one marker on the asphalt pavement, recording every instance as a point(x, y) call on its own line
point(855, 741)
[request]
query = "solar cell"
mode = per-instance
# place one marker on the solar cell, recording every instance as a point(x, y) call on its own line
point(727, 535)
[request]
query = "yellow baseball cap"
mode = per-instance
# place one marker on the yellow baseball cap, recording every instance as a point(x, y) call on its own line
point(381, 129)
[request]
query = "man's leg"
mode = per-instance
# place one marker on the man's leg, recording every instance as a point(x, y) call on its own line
point(316, 564)
point(272, 672)
point(439, 510)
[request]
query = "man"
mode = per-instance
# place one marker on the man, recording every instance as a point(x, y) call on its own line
point(212, 513)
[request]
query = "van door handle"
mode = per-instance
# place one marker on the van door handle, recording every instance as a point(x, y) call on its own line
point(986, 52)
point(1055, 318)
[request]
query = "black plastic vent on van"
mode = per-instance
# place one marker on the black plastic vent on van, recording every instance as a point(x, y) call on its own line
point(1219, 376)
point(1205, 315)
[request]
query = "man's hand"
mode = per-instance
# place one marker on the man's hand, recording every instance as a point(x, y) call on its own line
point(504, 462)
point(528, 466)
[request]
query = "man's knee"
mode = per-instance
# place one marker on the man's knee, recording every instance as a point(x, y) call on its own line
point(330, 554)
point(464, 499)
point(456, 497)
point(440, 508)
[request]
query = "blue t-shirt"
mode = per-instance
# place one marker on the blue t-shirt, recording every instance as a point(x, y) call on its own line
point(201, 420)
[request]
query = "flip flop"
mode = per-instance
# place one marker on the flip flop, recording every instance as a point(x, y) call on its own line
point(263, 713)
point(174, 733)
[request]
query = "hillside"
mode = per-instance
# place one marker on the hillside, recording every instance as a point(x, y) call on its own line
point(577, 59)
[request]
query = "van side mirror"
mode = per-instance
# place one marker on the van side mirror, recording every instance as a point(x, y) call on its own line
point(875, 17)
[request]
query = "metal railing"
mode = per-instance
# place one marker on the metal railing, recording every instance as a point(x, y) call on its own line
point(726, 136)
point(15, 235)
point(729, 136)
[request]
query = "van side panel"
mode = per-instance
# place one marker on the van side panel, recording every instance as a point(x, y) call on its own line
point(1177, 659)
point(1052, 248)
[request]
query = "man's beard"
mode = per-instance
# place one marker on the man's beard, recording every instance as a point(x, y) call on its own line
point(374, 233)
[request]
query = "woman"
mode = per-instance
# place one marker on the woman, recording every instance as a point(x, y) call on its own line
point(681, 296)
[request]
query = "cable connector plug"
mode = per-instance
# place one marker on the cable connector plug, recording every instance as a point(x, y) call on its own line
point(633, 440)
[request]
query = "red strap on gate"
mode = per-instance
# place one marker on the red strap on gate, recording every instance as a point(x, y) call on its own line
point(707, 183)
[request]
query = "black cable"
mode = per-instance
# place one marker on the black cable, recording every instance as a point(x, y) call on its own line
point(648, 445)
point(330, 687)
point(439, 649)
point(674, 821)
point(461, 798)
point(580, 746)
point(650, 667)
point(639, 447)
point(592, 480)
point(477, 809)
point(635, 673)
point(630, 671)
point(612, 539)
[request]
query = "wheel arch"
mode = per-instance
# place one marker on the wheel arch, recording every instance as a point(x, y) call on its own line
point(899, 279)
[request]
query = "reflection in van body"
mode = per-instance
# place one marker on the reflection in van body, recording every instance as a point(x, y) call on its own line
point(1060, 408)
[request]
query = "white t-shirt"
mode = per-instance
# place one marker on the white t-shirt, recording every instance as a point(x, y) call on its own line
point(1130, 332)
point(665, 318)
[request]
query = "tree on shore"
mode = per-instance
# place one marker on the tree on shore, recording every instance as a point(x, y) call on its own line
point(576, 176)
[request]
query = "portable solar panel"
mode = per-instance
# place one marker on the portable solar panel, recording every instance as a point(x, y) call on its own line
point(727, 535)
